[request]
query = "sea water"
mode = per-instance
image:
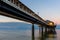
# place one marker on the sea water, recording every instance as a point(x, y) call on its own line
point(23, 32)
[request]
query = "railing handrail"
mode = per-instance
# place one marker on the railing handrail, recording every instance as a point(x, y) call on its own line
point(17, 4)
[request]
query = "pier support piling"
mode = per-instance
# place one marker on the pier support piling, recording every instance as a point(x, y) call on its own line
point(32, 31)
point(39, 30)
point(42, 31)
point(46, 31)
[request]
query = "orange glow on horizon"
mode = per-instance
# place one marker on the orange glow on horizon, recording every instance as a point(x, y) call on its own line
point(56, 20)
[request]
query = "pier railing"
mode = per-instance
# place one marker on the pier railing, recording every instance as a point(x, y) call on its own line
point(20, 6)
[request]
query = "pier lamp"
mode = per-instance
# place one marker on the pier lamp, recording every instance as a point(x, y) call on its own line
point(50, 23)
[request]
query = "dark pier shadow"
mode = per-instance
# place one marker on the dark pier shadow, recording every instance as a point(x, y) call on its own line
point(49, 35)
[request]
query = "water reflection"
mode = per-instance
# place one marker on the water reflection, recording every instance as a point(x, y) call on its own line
point(49, 35)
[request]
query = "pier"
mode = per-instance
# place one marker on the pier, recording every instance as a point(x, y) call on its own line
point(17, 10)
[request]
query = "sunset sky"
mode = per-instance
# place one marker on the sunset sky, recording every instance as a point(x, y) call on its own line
point(47, 9)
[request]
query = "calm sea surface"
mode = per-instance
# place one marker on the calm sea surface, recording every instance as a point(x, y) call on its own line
point(20, 31)
point(25, 35)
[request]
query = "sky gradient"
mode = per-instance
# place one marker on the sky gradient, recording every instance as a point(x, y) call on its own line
point(47, 9)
